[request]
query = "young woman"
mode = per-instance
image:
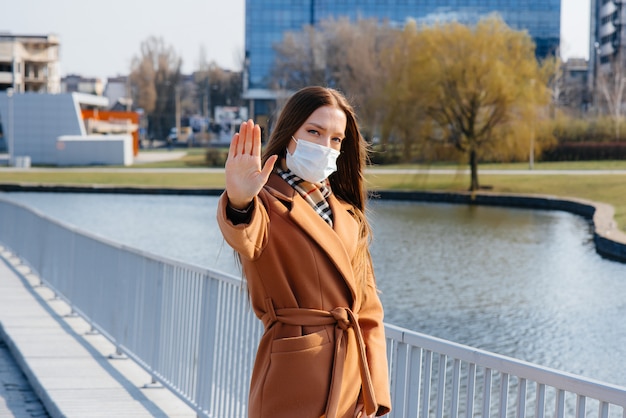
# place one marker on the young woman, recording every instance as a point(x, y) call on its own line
point(296, 217)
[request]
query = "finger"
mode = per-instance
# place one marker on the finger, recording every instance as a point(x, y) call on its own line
point(232, 150)
point(269, 166)
point(242, 138)
point(256, 146)
point(249, 137)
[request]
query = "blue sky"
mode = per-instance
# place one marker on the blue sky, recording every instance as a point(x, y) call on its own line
point(100, 41)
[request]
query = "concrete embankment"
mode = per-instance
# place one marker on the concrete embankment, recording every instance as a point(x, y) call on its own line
point(610, 242)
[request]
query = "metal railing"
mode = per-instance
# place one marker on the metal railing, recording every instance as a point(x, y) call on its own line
point(193, 330)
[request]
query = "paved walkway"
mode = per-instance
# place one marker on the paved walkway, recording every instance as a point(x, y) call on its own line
point(158, 156)
point(68, 368)
point(17, 397)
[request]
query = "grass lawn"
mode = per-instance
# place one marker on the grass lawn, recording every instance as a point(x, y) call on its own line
point(122, 178)
point(608, 188)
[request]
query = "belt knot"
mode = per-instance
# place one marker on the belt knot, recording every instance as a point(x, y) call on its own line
point(341, 316)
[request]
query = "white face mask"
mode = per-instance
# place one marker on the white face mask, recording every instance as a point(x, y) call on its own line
point(312, 162)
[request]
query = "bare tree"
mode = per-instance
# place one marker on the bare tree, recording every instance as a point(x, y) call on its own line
point(340, 54)
point(404, 101)
point(300, 60)
point(355, 64)
point(554, 73)
point(155, 76)
point(611, 83)
point(216, 86)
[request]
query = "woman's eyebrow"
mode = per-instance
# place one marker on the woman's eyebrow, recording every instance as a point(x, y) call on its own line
point(317, 125)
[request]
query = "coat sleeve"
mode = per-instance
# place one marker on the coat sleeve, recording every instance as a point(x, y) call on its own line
point(248, 239)
point(373, 329)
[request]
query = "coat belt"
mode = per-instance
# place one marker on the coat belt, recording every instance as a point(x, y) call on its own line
point(343, 318)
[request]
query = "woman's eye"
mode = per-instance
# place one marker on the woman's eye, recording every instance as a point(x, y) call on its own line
point(313, 132)
point(338, 140)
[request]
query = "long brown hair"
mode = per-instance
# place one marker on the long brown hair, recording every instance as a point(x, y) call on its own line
point(347, 183)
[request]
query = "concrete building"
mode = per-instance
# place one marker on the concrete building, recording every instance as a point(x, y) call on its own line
point(74, 83)
point(50, 129)
point(46, 120)
point(607, 51)
point(608, 31)
point(574, 89)
point(29, 63)
point(117, 90)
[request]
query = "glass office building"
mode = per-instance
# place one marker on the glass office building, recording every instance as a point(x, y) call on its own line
point(268, 20)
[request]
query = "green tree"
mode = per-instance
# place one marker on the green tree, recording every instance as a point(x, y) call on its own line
point(485, 89)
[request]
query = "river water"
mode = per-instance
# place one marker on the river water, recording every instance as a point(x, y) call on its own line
point(522, 283)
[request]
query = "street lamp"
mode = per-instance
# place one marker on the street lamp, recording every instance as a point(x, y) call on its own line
point(177, 112)
point(531, 152)
point(10, 127)
point(531, 157)
point(596, 74)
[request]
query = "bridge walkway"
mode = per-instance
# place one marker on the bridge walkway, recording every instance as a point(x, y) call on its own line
point(71, 370)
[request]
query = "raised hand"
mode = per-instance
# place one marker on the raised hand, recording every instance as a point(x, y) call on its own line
point(244, 175)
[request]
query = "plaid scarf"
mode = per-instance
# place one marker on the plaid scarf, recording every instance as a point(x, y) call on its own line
point(314, 194)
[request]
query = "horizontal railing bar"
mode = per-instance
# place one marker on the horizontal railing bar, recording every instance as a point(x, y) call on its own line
point(214, 273)
point(556, 378)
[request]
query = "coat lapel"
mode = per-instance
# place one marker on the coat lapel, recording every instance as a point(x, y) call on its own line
point(339, 243)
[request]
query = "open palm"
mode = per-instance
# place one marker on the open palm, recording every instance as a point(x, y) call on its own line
point(244, 175)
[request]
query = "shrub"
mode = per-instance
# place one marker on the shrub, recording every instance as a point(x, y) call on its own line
point(215, 157)
point(586, 151)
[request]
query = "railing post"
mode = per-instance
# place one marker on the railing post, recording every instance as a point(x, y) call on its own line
point(210, 306)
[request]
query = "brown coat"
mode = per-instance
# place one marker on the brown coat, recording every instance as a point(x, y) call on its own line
point(309, 362)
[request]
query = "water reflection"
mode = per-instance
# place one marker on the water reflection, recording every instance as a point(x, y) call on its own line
point(522, 283)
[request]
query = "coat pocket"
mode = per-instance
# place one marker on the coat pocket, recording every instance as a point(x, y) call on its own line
point(299, 374)
point(302, 342)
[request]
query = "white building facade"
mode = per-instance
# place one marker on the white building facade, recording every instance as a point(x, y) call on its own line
point(29, 63)
point(48, 129)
